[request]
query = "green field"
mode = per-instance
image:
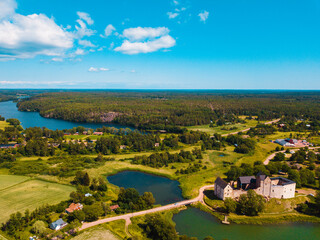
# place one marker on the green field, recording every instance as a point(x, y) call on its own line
point(30, 195)
point(7, 181)
point(219, 130)
point(3, 124)
point(97, 233)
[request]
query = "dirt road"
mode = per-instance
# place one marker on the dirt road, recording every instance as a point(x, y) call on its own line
point(127, 217)
point(247, 129)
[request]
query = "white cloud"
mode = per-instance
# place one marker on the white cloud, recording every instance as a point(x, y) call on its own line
point(82, 30)
point(86, 17)
point(57, 59)
point(203, 16)
point(175, 2)
point(36, 34)
point(7, 8)
point(95, 69)
point(139, 33)
point(109, 29)
point(79, 52)
point(154, 45)
point(86, 43)
point(172, 15)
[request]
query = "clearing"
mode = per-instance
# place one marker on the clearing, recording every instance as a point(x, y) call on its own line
point(30, 195)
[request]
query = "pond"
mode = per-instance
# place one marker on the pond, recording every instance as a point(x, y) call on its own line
point(33, 119)
point(196, 223)
point(164, 190)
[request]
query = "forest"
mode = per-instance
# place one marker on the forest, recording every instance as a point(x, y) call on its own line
point(165, 110)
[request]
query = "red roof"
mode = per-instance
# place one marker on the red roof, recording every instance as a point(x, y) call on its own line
point(113, 207)
point(74, 207)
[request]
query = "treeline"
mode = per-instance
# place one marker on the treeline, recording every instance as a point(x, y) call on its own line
point(157, 160)
point(166, 110)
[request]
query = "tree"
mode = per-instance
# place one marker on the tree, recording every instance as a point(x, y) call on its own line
point(230, 205)
point(294, 176)
point(39, 227)
point(93, 212)
point(251, 203)
point(279, 157)
point(148, 198)
point(158, 228)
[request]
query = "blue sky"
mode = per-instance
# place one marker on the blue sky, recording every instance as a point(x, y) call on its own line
point(160, 44)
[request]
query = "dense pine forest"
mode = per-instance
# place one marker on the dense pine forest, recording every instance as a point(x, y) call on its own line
point(167, 109)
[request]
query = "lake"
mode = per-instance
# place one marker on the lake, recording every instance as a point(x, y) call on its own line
point(196, 223)
point(33, 119)
point(164, 190)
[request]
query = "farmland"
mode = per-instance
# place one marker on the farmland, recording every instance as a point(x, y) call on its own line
point(16, 194)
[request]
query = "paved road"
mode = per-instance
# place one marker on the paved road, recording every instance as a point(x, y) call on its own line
point(127, 217)
point(247, 129)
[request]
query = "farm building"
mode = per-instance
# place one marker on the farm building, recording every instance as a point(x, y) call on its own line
point(59, 224)
point(74, 207)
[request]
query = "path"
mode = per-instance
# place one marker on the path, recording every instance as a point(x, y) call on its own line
point(270, 157)
point(127, 217)
point(247, 129)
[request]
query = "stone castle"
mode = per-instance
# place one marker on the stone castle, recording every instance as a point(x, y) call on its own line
point(277, 187)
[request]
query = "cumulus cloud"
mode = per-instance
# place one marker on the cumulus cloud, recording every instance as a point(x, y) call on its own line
point(148, 46)
point(86, 17)
point(27, 36)
point(86, 43)
point(175, 2)
point(172, 15)
point(109, 30)
point(7, 8)
point(203, 16)
point(139, 33)
point(95, 69)
point(82, 30)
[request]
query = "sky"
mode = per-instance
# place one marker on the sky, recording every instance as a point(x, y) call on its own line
point(160, 44)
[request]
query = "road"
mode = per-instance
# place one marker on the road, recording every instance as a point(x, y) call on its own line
point(247, 129)
point(127, 217)
point(270, 157)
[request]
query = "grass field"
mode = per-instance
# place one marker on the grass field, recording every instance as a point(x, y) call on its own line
point(3, 124)
point(30, 195)
point(219, 130)
point(97, 233)
point(7, 181)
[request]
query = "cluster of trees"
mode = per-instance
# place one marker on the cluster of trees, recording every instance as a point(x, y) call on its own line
point(167, 110)
point(195, 167)
point(130, 200)
point(262, 130)
point(250, 204)
point(157, 160)
point(207, 142)
point(242, 145)
point(311, 207)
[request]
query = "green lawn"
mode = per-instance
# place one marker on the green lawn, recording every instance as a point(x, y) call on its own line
point(219, 130)
point(30, 195)
point(100, 232)
point(3, 124)
point(10, 180)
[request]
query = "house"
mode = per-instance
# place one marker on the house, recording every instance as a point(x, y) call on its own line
point(222, 189)
point(6, 146)
point(114, 207)
point(157, 144)
point(277, 187)
point(74, 207)
point(88, 195)
point(123, 147)
point(59, 224)
point(98, 133)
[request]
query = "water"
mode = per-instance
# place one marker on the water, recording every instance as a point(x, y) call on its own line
point(33, 119)
point(196, 223)
point(164, 190)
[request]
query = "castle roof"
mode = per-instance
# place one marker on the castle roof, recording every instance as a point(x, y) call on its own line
point(246, 179)
point(221, 183)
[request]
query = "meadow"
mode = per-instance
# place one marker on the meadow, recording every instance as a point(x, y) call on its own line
point(3, 124)
point(18, 194)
